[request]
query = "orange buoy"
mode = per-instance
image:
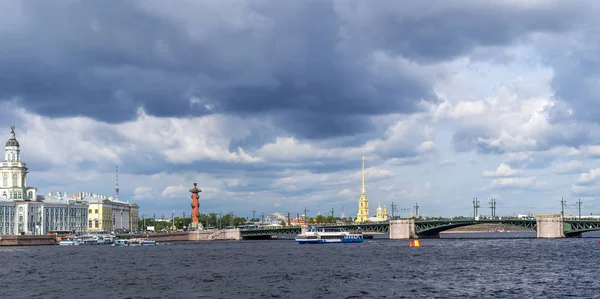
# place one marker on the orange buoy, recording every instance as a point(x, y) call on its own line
point(415, 243)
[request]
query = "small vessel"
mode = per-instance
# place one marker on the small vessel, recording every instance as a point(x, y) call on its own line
point(148, 242)
point(141, 242)
point(121, 243)
point(89, 242)
point(68, 242)
point(316, 235)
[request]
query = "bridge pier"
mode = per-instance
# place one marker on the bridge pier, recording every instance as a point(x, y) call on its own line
point(402, 229)
point(550, 227)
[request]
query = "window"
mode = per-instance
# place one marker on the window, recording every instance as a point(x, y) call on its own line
point(90, 211)
point(14, 182)
point(5, 180)
point(96, 211)
point(30, 195)
point(90, 224)
point(96, 224)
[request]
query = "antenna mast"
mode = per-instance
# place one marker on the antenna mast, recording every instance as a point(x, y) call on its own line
point(117, 186)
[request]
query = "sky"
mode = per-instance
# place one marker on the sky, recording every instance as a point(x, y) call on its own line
point(270, 105)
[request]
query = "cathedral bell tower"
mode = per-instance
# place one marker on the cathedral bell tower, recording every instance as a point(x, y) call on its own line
point(363, 202)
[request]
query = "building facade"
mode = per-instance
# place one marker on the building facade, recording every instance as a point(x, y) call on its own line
point(363, 202)
point(380, 215)
point(105, 214)
point(14, 173)
point(22, 211)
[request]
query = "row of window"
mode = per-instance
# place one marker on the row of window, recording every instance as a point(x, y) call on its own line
point(15, 180)
point(16, 195)
point(12, 158)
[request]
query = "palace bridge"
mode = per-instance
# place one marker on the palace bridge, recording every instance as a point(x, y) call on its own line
point(547, 227)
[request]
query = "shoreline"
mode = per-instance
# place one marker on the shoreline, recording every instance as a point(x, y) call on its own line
point(487, 232)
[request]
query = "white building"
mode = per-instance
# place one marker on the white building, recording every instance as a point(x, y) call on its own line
point(14, 173)
point(22, 211)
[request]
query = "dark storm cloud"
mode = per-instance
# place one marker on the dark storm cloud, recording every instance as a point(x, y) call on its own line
point(576, 84)
point(439, 29)
point(308, 63)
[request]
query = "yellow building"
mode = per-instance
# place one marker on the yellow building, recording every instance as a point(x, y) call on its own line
point(363, 202)
point(108, 215)
point(380, 215)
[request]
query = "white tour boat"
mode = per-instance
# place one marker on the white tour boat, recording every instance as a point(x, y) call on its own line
point(141, 242)
point(315, 235)
point(68, 242)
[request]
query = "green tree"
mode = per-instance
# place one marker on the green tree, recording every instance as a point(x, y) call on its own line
point(320, 219)
point(237, 221)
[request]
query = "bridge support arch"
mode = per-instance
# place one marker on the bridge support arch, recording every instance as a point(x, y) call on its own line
point(402, 229)
point(550, 227)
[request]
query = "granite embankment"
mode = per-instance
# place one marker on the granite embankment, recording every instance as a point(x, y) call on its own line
point(27, 240)
point(487, 228)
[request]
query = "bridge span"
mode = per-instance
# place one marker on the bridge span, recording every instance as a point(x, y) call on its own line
point(545, 227)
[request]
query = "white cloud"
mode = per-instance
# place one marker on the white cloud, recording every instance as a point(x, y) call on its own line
point(502, 171)
point(142, 193)
point(569, 167)
point(518, 183)
point(589, 177)
point(174, 191)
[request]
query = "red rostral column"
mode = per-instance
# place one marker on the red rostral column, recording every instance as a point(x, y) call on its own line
point(195, 205)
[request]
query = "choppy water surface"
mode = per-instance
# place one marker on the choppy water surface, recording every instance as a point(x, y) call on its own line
point(441, 268)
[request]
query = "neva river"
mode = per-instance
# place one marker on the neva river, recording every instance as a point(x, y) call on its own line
point(378, 268)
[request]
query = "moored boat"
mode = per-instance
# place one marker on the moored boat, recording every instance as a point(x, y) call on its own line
point(121, 243)
point(68, 242)
point(147, 242)
point(316, 235)
point(141, 242)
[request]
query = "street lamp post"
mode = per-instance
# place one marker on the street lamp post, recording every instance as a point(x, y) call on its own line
point(172, 221)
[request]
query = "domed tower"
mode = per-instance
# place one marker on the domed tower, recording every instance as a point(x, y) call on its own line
point(12, 153)
point(379, 213)
point(363, 202)
point(13, 173)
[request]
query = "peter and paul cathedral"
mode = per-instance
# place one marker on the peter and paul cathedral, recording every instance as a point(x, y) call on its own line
point(363, 202)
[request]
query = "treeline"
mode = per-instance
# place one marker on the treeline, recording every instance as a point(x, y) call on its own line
point(208, 220)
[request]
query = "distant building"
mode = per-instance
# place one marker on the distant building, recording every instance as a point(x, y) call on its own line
point(299, 221)
point(380, 215)
point(274, 219)
point(105, 214)
point(22, 211)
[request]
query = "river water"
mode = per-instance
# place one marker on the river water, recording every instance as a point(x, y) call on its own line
point(378, 268)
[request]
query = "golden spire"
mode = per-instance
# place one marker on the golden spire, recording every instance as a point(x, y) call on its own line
point(363, 176)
